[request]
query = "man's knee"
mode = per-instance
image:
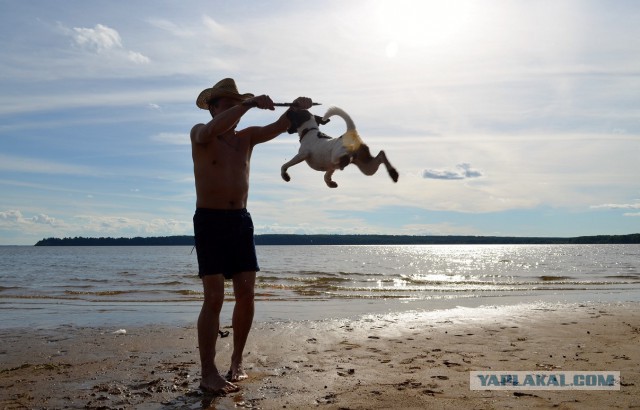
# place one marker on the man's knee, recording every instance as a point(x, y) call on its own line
point(243, 287)
point(213, 303)
point(213, 292)
point(244, 295)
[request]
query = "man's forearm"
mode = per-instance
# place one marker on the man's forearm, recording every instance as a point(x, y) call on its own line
point(269, 132)
point(222, 123)
point(226, 120)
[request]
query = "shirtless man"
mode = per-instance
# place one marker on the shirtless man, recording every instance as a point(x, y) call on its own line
point(223, 228)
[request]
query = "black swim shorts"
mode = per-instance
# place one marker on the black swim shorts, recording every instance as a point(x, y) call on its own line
point(224, 242)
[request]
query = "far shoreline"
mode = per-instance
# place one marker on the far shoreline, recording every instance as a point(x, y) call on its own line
point(292, 239)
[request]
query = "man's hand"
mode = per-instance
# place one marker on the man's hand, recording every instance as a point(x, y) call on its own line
point(261, 101)
point(302, 103)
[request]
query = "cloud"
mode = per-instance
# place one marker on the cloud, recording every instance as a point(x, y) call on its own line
point(90, 225)
point(444, 228)
point(137, 58)
point(102, 39)
point(621, 206)
point(99, 38)
point(463, 171)
point(171, 27)
point(14, 219)
point(124, 225)
point(171, 138)
point(221, 33)
point(37, 165)
point(617, 206)
point(10, 216)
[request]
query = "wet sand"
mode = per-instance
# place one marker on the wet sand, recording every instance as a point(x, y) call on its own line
point(404, 360)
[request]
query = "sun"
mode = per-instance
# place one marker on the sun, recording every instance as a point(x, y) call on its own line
point(391, 50)
point(411, 24)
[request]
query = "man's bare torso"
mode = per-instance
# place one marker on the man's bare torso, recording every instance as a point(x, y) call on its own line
point(221, 169)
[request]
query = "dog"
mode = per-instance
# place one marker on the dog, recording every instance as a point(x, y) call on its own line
point(324, 153)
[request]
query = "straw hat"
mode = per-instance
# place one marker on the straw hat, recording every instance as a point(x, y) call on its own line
point(224, 88)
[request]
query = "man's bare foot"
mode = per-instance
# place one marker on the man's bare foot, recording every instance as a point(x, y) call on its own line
point(216, 384)
point(236, 373)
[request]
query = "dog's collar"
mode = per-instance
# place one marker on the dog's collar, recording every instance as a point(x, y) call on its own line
point(305, 131)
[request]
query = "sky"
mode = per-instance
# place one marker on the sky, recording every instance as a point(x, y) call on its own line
point(503, 118)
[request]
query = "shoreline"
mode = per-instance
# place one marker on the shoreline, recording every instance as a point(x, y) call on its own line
point(348, 239)
point(374, 361)
point(51, 313)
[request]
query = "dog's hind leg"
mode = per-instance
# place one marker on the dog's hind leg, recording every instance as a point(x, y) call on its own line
point(327, 179)
point(294, 161)
point(344, 161)
point(369, 165)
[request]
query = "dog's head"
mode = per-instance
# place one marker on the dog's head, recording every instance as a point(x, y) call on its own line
point(299, 118)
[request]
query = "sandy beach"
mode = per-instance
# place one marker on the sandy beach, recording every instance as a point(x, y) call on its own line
point(402, 360)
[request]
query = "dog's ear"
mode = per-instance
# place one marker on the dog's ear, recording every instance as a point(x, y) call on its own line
point(291, 116)
point(297, 118)
point(319, 120)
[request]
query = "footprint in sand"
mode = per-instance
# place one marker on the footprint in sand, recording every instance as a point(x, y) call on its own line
point(348, 345)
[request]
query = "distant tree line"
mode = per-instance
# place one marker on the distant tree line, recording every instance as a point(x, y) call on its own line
point(137, 241)
point(284, 239)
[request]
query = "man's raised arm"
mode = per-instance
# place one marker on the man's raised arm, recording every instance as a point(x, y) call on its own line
point(228, 119)
point(259, 135)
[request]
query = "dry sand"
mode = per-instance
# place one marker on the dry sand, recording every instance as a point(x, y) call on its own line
point(406, 360)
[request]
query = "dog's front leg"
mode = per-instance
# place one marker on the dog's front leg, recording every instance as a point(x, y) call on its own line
point(327, 179)
point(294, 161)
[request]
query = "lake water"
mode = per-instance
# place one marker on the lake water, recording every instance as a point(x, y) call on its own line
point(52, 286)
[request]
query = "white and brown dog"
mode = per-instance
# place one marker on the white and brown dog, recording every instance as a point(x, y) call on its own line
point(324, 153)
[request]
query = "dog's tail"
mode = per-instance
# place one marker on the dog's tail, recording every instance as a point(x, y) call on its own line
point(340, 113)
point(350, 139)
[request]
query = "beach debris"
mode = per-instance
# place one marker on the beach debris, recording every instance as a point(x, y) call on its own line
point(328, 399)
point(520, 394)
point(120, 332)
point(22, 366)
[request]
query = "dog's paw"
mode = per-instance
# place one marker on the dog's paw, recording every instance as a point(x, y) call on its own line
point(332, 184)
point(393, 174)
point(285, 176)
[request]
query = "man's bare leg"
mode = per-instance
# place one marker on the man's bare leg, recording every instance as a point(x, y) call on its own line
point(208, 325)
point(243, 288)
